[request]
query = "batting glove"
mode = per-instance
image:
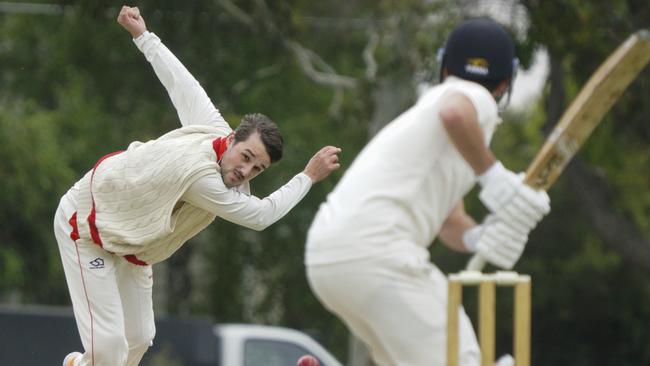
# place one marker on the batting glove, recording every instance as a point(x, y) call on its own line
point(496, 241)
point(506, 195)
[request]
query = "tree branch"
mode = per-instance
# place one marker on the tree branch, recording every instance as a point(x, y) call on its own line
point(308, 60)
point(555, 100)
point(311, 63)
point(260, 74)
point(369, 55)
point(237, 13)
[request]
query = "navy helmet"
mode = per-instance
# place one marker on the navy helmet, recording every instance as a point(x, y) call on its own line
point(479, 50)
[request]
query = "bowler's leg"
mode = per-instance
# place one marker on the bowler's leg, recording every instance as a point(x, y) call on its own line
point(90, 275)
point(135, 283)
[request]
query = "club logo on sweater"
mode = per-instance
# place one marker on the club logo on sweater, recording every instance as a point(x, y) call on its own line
point(97, 263)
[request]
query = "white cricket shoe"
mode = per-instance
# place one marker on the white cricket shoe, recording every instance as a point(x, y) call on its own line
point(69, 359)
point(505, 360)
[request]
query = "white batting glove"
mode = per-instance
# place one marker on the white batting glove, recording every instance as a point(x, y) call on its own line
point(527, 208)
point(506, 195)
point(497, 242)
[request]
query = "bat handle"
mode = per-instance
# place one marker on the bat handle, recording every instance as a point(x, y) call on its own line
point(476, 263)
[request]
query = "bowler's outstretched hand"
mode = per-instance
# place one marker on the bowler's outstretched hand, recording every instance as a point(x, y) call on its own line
point(323, 163)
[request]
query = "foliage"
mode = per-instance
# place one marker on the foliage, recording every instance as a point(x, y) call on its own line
point(34, 167)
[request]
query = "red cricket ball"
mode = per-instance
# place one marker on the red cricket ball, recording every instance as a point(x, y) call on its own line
point(308, 360)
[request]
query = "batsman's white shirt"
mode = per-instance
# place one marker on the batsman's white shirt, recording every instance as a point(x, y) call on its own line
point(400, 189)
point(367, 258)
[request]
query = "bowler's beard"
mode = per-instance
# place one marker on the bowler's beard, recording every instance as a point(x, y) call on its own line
point(226, 177)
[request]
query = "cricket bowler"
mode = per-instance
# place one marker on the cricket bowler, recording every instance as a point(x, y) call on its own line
point(136, 207)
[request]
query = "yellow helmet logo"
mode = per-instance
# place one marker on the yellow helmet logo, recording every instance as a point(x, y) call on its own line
point(477, 65)
point(479, 62)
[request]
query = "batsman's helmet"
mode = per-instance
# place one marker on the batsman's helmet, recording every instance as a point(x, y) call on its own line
point(480, 50)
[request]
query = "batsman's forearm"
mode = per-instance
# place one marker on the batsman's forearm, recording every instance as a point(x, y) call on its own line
point(453, 229)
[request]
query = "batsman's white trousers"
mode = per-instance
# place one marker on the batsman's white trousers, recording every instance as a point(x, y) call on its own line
point(111, 298)
point(397, 305)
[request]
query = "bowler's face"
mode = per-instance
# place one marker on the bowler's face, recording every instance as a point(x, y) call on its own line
point(244, 160)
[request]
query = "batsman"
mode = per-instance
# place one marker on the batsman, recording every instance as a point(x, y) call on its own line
point(367, 252)
point(137, 207)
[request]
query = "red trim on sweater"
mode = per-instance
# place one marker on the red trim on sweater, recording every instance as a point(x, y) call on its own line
point(220, 146)
point(133, 259)
point(94, 233)
point(74, 234)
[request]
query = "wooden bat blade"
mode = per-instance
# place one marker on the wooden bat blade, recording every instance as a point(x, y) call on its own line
point(590, 106)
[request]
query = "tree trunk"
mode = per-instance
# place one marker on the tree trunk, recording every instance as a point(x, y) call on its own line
point(390, 97)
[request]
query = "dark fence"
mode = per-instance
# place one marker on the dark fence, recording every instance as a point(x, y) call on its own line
point(37, 336)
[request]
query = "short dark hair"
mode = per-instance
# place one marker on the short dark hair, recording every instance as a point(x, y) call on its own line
point(268, 130)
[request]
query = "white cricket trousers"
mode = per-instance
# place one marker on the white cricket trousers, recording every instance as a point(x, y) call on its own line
point(111, 298)
point(397, 305)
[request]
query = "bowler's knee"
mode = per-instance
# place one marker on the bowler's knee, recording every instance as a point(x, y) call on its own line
point(140, 348)
point(140, 343)
point(110, 350)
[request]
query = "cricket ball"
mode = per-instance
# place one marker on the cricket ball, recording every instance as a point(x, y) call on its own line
point(308, 360)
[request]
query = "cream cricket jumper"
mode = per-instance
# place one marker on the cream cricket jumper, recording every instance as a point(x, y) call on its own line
point(136, 194)
point(153, 197)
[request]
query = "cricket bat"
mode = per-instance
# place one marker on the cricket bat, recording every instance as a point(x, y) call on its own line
point(585, 113)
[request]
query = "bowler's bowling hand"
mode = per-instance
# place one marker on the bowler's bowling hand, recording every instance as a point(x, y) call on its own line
point(132, 21)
